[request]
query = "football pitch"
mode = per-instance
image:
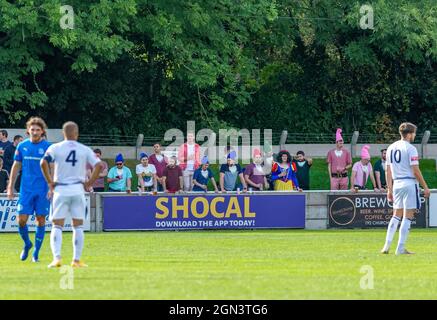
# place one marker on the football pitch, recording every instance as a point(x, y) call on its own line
point(270, 264)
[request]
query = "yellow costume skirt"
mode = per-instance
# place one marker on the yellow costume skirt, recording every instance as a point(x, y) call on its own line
point(282, 185)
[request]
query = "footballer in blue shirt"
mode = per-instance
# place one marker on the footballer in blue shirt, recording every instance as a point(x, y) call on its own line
point(34, 196)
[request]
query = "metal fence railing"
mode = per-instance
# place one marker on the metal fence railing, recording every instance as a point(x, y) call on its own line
point(108, 140)
point(275, 139)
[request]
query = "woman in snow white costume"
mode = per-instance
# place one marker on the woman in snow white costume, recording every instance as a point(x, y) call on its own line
point(284, 173)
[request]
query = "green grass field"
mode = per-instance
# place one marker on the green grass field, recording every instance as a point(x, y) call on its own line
point(271, 264)
point(319, 178)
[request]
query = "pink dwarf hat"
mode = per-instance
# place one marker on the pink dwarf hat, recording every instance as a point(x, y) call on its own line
point(365, 152)
point(256, 152)
point(338, 135)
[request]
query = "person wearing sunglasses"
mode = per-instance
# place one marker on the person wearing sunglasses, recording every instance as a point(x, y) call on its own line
point(120, 176)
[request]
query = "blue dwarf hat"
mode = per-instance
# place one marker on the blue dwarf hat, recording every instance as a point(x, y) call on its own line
point(232, 155)
point(119, 158)
point(205, 160)
point(143, 155)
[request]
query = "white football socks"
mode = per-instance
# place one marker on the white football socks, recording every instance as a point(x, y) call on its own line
point(56, 241)
point(391, 231)
point(78, 240)
point(404, 231)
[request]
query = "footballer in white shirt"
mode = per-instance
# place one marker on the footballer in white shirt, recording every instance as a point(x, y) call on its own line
point(403, 177)
point(67, 188)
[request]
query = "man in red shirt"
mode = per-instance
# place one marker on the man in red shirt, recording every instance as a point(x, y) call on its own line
point(172, 177)
point(339, 162)
point(160, 162)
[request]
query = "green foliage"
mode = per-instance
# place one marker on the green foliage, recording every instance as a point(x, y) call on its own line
point(132, 66)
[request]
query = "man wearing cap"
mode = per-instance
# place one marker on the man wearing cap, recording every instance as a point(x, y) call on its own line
point(120, 176)
point(202, 176)
point(254, 173)
point(339, 162)
point(229, 173)
point(146, 173)
point(361, 171)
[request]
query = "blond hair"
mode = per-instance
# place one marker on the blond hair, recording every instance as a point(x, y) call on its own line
point(407, 128)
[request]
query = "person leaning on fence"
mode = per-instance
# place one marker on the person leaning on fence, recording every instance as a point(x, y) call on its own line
point(254, 173)
point(339, 162)
point(189, 160)
point(379, 171)
point(229, 174)
point(284, 173)
point(8, 155)
point(4, 142)
point(202, 176)
point(4, 178)
point(99, 184)
point(303, 166)
point(120, 176)
point(361, 171)
point(173, 181)
point(146, 173)
point(160, 162)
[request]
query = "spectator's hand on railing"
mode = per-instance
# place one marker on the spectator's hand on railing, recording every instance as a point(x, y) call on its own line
point(376, 190)
point(266, 186)
point(128, 191)
point(354, 190)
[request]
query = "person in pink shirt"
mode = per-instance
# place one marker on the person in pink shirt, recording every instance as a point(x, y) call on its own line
point(189, 160)
point(361, 171)
point(339, 162)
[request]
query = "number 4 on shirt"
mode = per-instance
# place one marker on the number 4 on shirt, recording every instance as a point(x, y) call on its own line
point(71, 158)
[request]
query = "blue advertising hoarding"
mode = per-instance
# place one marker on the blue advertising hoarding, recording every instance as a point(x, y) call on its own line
point(203, 212)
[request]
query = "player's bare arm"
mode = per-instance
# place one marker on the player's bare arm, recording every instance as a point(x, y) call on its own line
point(389, 179)
point(422, 182)
point(16, 167)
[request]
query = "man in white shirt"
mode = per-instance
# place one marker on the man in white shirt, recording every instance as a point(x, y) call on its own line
point(146, 173)
point(403, 175)
point(68, 187)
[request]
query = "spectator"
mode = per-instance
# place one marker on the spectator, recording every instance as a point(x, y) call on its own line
point(99, 184)
point(4, 178)
point(303, 166)
point(9, 153)
point(229, 173)
point(284, 172)
point(339, 162)
point(160, 162)
point(361, 172)
point(146, 173)
point(254, 173)
point(189, 160)
point(120, 176)
point(4, 142)
point(267, 164)
point(172, 177)
point(202, 176)
point(379, 171)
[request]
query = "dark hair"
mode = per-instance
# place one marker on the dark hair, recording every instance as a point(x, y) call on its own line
point(4, 132)
point(382, 150)
point(17, 137)
point(281, 153)
point(157, 143)
point(97, 151)
point(300, 152)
